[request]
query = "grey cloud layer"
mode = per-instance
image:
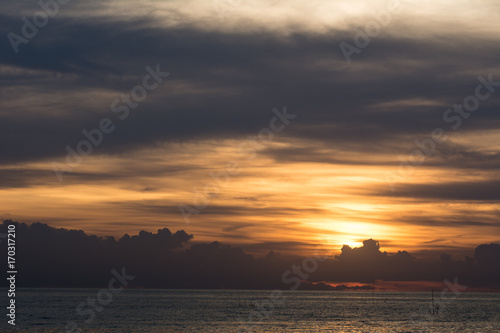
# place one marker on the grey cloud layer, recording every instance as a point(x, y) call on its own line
point(224, 85)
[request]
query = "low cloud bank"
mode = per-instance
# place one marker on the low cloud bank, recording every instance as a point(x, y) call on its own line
point(52, 257)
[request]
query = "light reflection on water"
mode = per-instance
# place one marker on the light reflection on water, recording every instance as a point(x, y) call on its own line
point(49, 310)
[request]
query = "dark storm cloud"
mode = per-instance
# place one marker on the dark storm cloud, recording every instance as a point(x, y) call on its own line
point(458, 156)
point(22, 178)
point(29, 177)
point(224, 85)
point(165, 260)
point(461, 218)
point(310, 152)
point(450, 191)
point(453, 156)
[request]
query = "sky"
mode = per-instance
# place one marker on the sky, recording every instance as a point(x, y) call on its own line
point(270, 125)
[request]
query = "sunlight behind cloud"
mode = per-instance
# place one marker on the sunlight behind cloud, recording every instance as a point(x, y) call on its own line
point(319, 16)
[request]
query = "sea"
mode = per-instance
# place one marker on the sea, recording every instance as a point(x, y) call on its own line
point(147, 310)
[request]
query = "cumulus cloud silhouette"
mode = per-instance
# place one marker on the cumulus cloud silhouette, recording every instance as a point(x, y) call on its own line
point(52, 257)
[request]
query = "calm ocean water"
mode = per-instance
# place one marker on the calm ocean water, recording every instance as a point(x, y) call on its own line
point(49, 310)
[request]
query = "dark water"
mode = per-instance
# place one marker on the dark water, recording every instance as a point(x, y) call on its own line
point(50, 310)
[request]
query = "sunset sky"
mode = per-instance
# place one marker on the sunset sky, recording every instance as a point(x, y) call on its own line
point(332, 175)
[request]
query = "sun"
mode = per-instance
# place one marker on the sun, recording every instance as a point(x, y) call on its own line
point(352, 243)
